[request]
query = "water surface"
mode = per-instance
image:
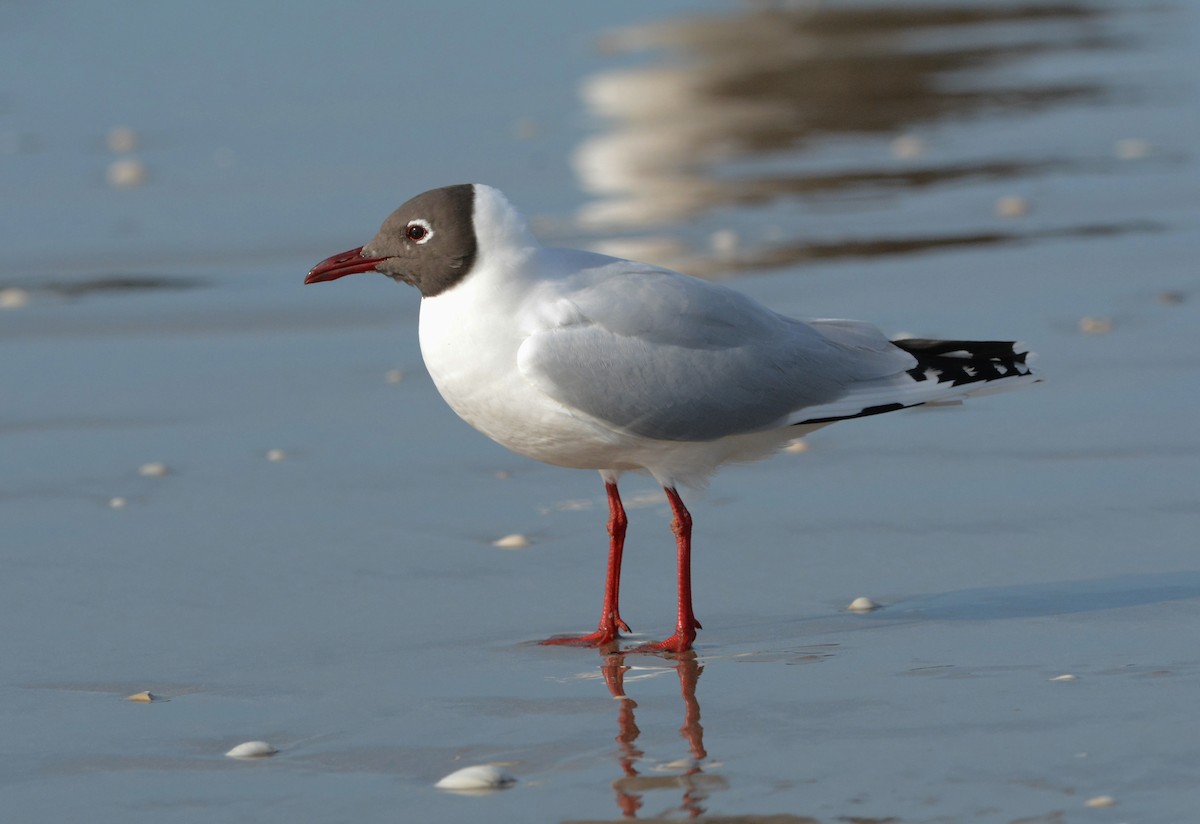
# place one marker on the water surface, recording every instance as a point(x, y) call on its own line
point(346, 603)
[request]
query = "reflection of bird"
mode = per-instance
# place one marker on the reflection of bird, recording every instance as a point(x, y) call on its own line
point(792, 102)
point(593, 362)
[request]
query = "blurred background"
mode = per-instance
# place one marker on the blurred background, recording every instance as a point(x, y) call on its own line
point(717, 137)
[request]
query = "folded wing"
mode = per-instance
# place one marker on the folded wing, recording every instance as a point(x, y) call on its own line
point(665, 356)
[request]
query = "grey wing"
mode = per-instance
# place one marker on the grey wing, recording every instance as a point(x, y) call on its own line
point(669, 357)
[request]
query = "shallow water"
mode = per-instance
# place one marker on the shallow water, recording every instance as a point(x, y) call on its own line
point(346, 603)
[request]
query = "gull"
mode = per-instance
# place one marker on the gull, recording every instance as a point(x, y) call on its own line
point(592, 362)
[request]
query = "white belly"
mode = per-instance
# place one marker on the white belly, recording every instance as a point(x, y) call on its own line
point(474, 366)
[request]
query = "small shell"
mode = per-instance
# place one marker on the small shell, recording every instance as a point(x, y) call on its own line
point(724, 242)
point(906, 147)
point(1095, 326)
point(117, 503)
point(1132, 148)
point(1012, 206)
point(526, 128)
point(126, 173)
point(481, 777)
point(13, 297)
point(1101, 801)
point(146, 697)
point(1066, 676)
point(862, 604)
point(252, 749)
point(276, 455)
point(514, 541)
point(394, 376)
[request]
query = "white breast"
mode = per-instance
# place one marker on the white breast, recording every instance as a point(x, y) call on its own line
point(469, 336)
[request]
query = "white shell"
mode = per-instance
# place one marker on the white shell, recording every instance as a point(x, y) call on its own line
point(126, 173)
point(1101, 801)
point(252, 749)
point(514, 541)
point(276, 455)
point(1066, 676)
point(862, 604)
point(117, 502)
point(153, 470)
point(13, 297)
point(478, 777)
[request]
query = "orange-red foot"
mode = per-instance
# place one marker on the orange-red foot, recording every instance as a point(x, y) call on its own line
point(603, 636)
point(681, 641)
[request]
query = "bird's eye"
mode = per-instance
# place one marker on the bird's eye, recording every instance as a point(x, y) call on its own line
point(419, 231)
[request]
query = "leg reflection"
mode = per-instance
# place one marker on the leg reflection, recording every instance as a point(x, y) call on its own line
point(685, 775)
point(614, 670)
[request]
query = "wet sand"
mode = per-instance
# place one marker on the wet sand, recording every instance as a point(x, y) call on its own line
point(342, 599)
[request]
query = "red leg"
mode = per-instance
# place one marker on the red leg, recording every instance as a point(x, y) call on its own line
point(610, 616)
point(686, 623)
point(616, 532)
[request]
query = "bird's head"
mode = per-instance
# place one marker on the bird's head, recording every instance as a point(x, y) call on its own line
point(429, 243)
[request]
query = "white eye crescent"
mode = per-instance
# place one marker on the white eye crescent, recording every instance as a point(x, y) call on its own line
point(419, 231)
